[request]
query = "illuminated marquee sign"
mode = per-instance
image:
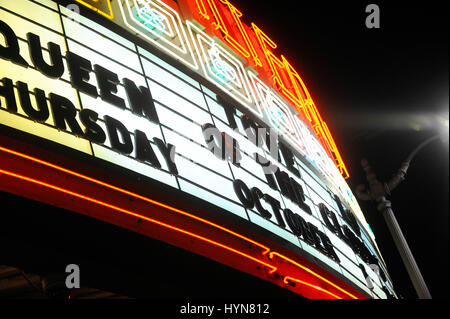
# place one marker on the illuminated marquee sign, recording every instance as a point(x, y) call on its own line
point(223, 21)
point(213, 41)
point(234, 72)
point(137, 111)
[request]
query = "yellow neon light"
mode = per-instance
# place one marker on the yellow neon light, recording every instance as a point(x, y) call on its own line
point(109, 15)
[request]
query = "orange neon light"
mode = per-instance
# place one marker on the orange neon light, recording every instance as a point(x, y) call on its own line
point(265, 43)
point(219, 23)
point(341, 166)
point(271, 254)
point(266, 249)
point(297, 84)
point(237, 19)
point(202, 9)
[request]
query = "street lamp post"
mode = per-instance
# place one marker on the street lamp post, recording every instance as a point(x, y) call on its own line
point(378, 192)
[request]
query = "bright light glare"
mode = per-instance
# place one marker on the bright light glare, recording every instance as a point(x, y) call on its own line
point(442, 121)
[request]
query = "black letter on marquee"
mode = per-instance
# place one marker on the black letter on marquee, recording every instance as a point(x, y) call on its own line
point(93, 131)
point(243, 193)
point(348, 216)
point(12, 50)
point(63, 111)
point(308, 236)
point(351, 240)
point(7, 91)
point(107, 82)
point(266, 164)
point(300, 196)
point(314, 233)
point(144, 150)
point(79, 69)
point(325, 212)
point(288, 158)
point(329, 249)
point(358, 246)
point(292, 221)
point(284, 183)
point(339, 232)
point(140, 100)
point(275, 204)
point(167, 151)
point(257, 195)
point(40, 115)
point(351, 220)
point(56, 69)
point(113, 126)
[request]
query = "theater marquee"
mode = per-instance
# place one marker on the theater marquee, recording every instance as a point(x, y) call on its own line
point(185, 94)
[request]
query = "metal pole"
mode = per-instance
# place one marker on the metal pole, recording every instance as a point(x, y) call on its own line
point(403, 248)
point(377, 192)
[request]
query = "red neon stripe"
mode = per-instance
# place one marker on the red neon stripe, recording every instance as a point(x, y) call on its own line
point(266, 249)
point(271, 254)
point(288, 278)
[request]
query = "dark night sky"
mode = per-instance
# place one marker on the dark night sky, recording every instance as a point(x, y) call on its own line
point(374, 87)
